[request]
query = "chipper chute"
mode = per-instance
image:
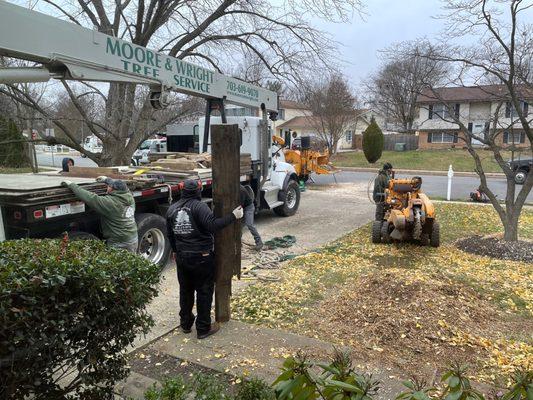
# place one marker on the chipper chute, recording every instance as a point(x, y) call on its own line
point(409, 215)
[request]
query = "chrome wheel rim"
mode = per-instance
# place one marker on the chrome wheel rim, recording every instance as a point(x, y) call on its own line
point(291, 198)
point(152, 245)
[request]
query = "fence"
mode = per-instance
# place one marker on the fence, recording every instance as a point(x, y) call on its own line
point(411, 141)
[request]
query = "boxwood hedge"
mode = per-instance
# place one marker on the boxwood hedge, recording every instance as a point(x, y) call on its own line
point(68, 311)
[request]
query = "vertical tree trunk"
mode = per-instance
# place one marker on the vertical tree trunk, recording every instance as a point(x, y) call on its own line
point(510, 225)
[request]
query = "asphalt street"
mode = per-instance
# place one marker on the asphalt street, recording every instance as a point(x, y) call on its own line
point(432, 185)
point(54, 160)
point(435, 186)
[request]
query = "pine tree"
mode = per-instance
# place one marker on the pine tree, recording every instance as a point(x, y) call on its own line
point(12, 147)
point(373, 142)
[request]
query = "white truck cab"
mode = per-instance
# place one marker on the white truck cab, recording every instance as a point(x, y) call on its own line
point(277, 182)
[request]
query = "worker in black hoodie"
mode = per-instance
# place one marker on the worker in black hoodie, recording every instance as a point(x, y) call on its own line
point(191, 226)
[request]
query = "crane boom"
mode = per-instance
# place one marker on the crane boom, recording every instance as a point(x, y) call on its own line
point(69, 51)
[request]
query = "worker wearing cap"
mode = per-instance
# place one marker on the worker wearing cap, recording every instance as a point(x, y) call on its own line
point(117, 212)
point(380, 184)
point(191, 226)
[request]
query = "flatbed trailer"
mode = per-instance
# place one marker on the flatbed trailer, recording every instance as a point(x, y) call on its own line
point(36, 206)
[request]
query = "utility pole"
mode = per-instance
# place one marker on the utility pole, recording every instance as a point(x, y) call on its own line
point(225, 150)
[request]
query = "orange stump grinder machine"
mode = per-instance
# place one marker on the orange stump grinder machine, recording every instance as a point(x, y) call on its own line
point(409, 215)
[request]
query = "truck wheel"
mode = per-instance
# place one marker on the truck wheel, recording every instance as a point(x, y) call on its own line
point(291, 200)
point(153, 241)
point(434, 238)
point(385, 232)
point(80, 235)
point(520, 177)
point(376, 231)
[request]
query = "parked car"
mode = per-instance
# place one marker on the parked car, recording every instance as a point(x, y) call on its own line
point(521, 168)
point(317, 144)
point(146, 148)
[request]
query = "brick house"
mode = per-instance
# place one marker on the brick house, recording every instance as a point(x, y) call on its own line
point(476, 107)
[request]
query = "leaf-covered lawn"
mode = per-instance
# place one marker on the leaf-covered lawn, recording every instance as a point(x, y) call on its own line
point(415, 307)
point(429, 160)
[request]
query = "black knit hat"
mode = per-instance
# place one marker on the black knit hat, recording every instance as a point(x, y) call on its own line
point(191, 186)
point(116, 184)
point(387, 166)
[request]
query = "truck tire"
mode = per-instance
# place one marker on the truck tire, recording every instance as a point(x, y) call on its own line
point(520, 177)
point(153, 241)
point(291, 200)
point(80, 235)
point(376, 231)
point(434, 238)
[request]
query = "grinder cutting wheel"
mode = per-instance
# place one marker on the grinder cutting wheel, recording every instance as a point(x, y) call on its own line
point(409, 214)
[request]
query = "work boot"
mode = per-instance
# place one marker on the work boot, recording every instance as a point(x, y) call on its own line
point(214, 329)
point(188, 329)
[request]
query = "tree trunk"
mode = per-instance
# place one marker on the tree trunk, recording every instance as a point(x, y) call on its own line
point(510, 227)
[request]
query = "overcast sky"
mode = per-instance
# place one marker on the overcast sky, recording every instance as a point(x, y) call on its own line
point(386, 22)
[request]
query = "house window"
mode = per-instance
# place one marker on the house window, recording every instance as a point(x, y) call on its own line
point(510, 110)
point(514, 138)
point(348, 136)
point(442, 111)
point(281, 113)
point(442, 137)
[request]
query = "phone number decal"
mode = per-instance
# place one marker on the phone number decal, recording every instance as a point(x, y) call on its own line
point(243, 90)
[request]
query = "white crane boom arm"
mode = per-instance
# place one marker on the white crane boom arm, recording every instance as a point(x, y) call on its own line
point(69, 51)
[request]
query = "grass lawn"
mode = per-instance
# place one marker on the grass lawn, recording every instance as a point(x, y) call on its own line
point(416, 308)
point(5, 170)
point(429, 160)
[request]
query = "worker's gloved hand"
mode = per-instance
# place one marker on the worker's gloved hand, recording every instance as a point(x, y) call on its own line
point(238, 212)
point(66, 183)
point(101, 179)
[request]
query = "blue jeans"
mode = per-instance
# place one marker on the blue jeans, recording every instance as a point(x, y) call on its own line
point(249, 213)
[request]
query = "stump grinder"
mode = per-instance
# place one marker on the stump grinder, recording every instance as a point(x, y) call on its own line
point(409, 215)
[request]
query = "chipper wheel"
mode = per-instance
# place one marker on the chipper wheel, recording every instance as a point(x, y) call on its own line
point(376, 231)
point(434, 238)
point(385, 232)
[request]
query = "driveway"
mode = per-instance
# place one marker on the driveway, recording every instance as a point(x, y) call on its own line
point(324, 215)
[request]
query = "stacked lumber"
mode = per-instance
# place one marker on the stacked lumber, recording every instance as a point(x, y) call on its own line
point(202, 160)
point(193, 161)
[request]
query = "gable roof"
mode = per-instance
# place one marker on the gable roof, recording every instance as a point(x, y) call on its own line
point(310, 122)
point(300, 122)
point(291, 104)
point(463, 94)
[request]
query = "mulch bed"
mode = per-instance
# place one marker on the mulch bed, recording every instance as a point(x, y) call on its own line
point(160, 366)
point(497, 248)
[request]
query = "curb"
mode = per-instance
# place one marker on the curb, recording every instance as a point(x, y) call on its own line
point(424, 172)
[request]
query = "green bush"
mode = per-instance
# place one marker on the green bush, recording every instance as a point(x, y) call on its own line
point(254, 389)
point(339, 381)
point(13, 154)
point(171, 389)
point(208, 387)
point(69, 308)
point(373, 142)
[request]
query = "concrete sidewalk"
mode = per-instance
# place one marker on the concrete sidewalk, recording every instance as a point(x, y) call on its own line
point(241, 349)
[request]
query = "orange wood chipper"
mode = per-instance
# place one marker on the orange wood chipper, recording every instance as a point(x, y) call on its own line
point(409, 215)
point(306, 161)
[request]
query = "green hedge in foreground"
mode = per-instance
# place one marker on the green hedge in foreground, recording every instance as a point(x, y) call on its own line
point(68, 311)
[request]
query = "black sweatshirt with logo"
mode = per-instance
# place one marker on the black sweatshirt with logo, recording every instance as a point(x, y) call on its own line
point(191, 225)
